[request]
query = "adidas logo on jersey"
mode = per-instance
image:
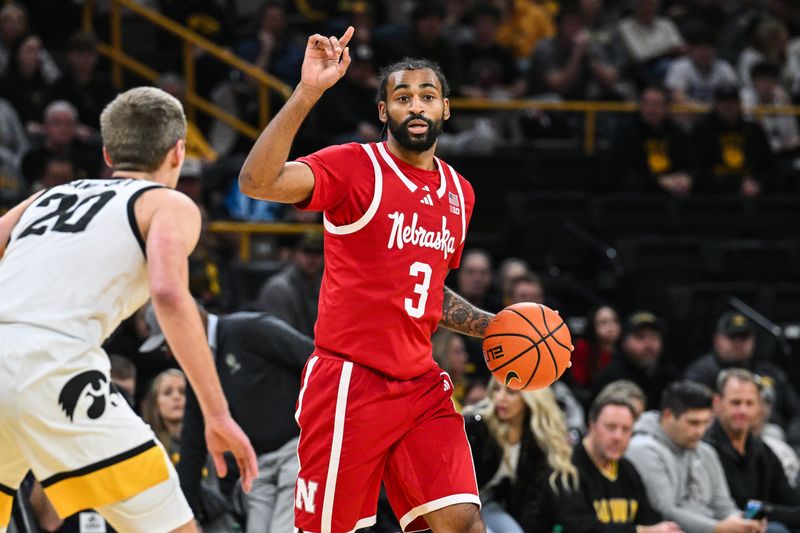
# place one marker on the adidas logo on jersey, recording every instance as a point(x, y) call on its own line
point(427, 199)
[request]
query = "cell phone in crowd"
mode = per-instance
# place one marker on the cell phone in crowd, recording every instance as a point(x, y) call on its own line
point(755, 510)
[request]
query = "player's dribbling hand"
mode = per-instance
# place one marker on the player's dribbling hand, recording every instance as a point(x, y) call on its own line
point(322, 66)
point(222, 435)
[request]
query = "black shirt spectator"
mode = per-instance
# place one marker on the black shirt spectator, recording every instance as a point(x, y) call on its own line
point(752, 469)
point(640, 359)
point(604, 504)
point(570, 64)
point(25, 84)
point(61, 140)
point(734, 347)
point(653, 153)
point(82, 84)
point(490, 70)
point(259, 359)
point(732, 154)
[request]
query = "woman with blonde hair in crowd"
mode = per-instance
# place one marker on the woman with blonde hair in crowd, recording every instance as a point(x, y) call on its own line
point(163, 409)
point(522, 457)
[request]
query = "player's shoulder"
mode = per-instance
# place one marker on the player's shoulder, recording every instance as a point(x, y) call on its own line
point(159, 198)
point(466, 186)
point(341, 150)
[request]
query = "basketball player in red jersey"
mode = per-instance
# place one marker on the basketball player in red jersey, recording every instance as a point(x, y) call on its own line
point(374, 406)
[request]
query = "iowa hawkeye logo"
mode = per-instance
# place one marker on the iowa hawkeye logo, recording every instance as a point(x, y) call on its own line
point(89, 384)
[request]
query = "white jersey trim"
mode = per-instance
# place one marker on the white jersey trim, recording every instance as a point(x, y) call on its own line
point(371, 210)
point(311, 363)
point(442, 179)
point(389, 161)
point(407, 182)
point(336, 447)
point(461, 199)
point(435, 505)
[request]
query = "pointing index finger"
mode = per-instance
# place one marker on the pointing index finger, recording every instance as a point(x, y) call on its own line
point(345, 38)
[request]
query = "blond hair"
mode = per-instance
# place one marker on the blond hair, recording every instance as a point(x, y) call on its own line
point(150, 412)
point(549, 428)
point(140, 126)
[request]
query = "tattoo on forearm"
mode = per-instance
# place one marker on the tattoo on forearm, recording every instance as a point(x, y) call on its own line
point(461, 316)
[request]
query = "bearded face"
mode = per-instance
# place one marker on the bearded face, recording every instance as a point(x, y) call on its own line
point(417, 133)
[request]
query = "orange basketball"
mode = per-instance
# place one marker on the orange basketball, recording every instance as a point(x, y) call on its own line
point(527, 346)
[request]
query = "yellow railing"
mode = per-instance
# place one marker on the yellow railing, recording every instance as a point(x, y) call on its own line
point(591, 108)
point(246, 230)
point(191, 41)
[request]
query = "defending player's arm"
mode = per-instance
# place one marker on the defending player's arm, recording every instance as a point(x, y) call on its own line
point(171, 229)
point(266, 174)
point(10, 219)
point(461, 316)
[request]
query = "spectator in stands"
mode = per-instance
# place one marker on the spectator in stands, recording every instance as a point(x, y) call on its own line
point(569, 66)
point(163, 409)
point(525, 288)
point(273, 48)
point(346, 113)
point(630, 392)
point(83, 84)
point(735, 156)
point(522, 456)
point(259, 359)
point(429, 39)
point(774, 437)
point(490, 70)
point(611, 495)
point(58, 170)
point(601, 20)
point(25, 83)
point(593, 351)
point(123, 376)
point(765, 90)
point(62, 139)
point(682, 474)
point(450, 353)
point(13, 139)
point(753, 471)
point(523, 23)
point(13, 143)
point(474, 280)
point(208, 274)
point(653, 154)
point(650, 42)
point(695, 77)
point(769, 44)
point(508, 269)
point(197, 146)
point(734, 345)
point(641, 357)
point(293, 293)
point(13, 25)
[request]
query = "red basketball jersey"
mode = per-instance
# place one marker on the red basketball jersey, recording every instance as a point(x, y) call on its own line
point(393, 231)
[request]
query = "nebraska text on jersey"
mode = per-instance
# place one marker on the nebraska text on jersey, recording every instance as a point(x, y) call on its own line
point(419, 236)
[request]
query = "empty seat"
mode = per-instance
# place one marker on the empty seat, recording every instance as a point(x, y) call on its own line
point(753, 260)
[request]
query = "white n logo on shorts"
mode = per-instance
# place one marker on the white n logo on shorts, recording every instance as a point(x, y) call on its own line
point(305, 494)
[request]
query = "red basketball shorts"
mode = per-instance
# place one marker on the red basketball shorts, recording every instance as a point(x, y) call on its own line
point(358, 428)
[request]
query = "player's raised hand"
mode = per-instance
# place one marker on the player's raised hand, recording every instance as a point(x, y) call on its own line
point(222, 435)
point(326, 60)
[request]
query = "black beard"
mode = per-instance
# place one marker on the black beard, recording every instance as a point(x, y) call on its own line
point(416, 143)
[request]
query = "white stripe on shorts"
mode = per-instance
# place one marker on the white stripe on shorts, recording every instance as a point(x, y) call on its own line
point(336, 446)
point(311, 363)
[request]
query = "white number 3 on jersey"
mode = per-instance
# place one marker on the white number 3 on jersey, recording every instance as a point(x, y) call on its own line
point(415, 270)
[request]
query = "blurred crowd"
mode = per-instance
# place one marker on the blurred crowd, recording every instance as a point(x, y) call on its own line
point(552, 460)
point(740, 57)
